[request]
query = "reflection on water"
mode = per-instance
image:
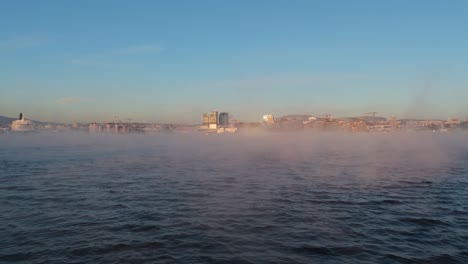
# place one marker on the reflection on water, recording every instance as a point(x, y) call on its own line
point(234, 199)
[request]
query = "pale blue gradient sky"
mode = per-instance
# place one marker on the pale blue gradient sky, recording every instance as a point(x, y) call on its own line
point(169, 61)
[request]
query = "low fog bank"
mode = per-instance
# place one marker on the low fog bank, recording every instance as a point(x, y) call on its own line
point(248, 142)
point(419, 147)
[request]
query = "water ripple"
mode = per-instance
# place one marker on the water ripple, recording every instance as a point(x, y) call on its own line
point(167, 199)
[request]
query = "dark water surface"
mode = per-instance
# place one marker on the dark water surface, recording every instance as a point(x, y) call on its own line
point(79, 198)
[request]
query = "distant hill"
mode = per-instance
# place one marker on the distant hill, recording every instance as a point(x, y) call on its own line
point(371, 119)
point(367, 119)
point(6, 120)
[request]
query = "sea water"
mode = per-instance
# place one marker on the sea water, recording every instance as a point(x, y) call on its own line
point(245, 198)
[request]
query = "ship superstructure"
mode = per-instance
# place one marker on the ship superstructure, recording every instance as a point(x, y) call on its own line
point(22, 124)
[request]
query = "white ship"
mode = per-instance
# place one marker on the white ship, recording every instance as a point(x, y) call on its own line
point(22, 125)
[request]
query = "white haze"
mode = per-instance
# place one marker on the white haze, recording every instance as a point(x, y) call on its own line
point(365, 151)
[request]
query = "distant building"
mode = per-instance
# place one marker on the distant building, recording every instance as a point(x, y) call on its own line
point(223, 119)
point(327, 124)
point(393, 122)
point(222, 130)
point(464, 125)
point(213, 120)
point(452, 122)
point(210, 118)
point(269, 119)
point(205, 120)
point(213, 117)
point(291, 122)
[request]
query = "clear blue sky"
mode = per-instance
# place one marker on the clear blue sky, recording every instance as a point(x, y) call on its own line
point(170, 61)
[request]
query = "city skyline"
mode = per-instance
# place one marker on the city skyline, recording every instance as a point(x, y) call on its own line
point(171, 61)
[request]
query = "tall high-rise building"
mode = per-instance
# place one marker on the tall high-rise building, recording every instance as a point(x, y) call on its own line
point(213, 117)
point(205, 119)
point(210, 119)
point(394, 122)
point(223, 119)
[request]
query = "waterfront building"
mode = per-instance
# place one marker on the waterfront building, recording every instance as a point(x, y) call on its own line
point(213, 117)
point(222, 130)
point(393, 122)
point(223, 119)
point(291, 122)
point(269, 119)
point(211, 120)
point(205, 119)
point(464, 125)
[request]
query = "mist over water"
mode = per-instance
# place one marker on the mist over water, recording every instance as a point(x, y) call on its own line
point(258, 198)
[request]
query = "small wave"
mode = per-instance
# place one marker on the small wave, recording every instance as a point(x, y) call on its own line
point(333, 202)
point(16, 257)
point(423, 221)
point(234, 260)
point(136, 228)
point(415, 182)
point(119, 206)
point(444, 258)
point(264, 228)
point(457, 171)
point(397, 259)
point(314, 250)
point(348, 251)
point(386, 202)
point(115, 248)
point(389, 201)
point(145, 228)
point(458, 212)
point(330, 251)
